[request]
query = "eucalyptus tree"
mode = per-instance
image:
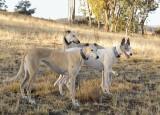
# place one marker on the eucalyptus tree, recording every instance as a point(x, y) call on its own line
point(146, 7)
point(3, 6)
point(71, 11)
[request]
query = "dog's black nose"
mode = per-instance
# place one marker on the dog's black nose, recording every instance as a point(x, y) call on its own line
point(78, 41)
point(97, 57)
point(131, 54)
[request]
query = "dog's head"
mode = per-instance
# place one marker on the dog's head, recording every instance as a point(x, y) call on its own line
point(71, 37)
point(90, 50)
point(125, 47)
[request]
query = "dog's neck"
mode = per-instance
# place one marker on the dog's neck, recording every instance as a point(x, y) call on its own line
point(83, 56)
point(65, 41)
point(117, 51)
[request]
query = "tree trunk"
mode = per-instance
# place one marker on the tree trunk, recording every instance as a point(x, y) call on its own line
point(107, 18)
point(98, 24)
point(127, 27)
point(117, 18)
point(71, 11)
point(90, 15)
point(113, 4)
point(135, 19)
point(142, 26)
point(126, 30)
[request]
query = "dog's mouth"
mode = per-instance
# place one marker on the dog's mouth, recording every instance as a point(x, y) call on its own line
point(127, 55)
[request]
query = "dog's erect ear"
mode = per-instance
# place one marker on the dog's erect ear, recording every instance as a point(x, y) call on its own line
point(95, 44)
point(87, 44)
point(128, 41)
point(68, 31)
point(123, 42)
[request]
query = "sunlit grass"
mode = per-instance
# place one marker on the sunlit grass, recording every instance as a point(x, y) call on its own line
point(136, 88)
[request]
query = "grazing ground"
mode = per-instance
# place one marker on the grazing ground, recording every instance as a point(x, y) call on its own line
point(136, 89)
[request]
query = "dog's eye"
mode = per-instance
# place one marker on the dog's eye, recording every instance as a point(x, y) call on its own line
point(92, 50)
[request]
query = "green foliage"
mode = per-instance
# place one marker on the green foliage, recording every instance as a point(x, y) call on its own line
point(23, 8)
point(97, 7)
point(83, 7)
point(123, 15)
point(2, 5)
point(158, 31)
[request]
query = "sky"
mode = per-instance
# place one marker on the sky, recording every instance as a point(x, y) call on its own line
point(55, 9)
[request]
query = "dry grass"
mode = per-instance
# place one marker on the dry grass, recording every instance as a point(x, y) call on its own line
point(136, 89)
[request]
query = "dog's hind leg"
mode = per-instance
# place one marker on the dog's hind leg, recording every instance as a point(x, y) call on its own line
point(24, 83)
point(31, 80)
point(32, 65)
point(61, 82)
point(58, 80)
point(64, 80)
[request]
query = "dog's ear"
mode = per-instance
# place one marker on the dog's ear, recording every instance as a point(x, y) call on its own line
point(128, 41)
point(87, 44)
point(68, 31)
point(95, 44)
point(123, 42)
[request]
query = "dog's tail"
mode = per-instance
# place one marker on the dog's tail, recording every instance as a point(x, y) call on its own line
point(21, 70)
point(58, 80)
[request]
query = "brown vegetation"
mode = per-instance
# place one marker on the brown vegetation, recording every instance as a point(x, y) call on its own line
point(136, 89)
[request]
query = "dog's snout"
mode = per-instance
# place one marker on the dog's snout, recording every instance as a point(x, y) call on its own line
point(77, 41)
point(97, 57)
point(131, 54)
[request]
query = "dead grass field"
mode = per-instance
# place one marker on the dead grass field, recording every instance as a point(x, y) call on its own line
point(136, 89)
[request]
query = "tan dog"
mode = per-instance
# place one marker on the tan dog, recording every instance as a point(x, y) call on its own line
point(70, 40)
point(65, 63)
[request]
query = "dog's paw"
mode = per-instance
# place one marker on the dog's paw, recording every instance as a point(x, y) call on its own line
point(25, 97)
point(32, 102)
point(76, 104)
point(62, 94)
point(104, 92)
point(109, 93)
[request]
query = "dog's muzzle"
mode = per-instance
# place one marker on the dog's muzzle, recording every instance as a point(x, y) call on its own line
point(97, 57)
point(128, 56)
point(77, 42)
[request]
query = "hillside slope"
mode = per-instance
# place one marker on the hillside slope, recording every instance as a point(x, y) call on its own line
point(136, 89)
point(19, 26)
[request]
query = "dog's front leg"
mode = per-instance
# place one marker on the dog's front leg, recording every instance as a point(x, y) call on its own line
point(103, 82)
point(107, 80)
point(72, 90)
